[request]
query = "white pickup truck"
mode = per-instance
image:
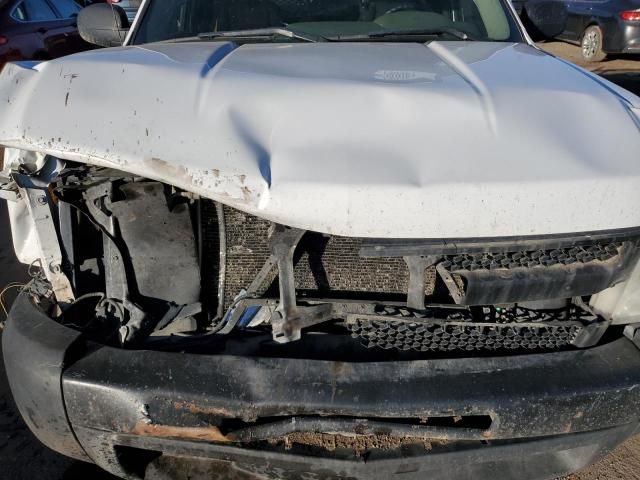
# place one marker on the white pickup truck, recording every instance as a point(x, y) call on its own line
point(323, 239)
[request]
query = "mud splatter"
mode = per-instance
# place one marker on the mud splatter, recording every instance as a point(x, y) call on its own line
point(359, 444)
point(195, 409)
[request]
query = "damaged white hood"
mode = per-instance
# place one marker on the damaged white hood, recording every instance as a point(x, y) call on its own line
point(452, 139)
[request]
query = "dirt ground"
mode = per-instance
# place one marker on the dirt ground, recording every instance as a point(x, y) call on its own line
point(622, 464)
point(625, 71)
point(22, 457)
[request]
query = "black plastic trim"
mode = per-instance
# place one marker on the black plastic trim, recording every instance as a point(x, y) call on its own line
point(533, 459)
point(454, 246)
point(551, 412)
point(527, 395)
point(34, 349)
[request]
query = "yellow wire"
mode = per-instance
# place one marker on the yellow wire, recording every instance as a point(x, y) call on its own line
point(5, 290)
point(9, 287)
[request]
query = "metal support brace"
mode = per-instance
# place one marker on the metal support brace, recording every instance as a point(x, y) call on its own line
point(450, 282)
point(39, 203)
point(94, 194)
point(288, 321)
point(417, 267)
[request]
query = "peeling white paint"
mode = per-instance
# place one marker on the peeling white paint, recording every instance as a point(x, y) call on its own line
point(457, 139)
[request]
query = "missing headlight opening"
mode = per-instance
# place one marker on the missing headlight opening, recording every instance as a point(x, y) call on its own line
point(142, 264)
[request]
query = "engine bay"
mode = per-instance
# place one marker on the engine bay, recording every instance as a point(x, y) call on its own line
point(135, 263)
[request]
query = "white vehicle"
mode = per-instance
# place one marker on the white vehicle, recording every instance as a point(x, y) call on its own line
point(323, 239)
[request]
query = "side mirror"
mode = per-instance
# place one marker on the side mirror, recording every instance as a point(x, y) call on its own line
point(545, 19)
point(103, 24)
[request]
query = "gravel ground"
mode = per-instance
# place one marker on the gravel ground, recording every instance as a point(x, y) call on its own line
point(22, 457)
point(624, 71)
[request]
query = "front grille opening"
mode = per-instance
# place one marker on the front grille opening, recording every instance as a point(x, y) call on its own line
point(348, 437)
point(334, 267)
point(258, 288)
point(326, 266)
point(496, 329)
point(353, 277)
point(353, 425)
point(470, 337)
point(534, 258)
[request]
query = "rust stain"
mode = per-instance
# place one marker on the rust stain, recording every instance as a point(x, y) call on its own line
point(203, 434)
point(338, 369)
point(195, 409)
point(569, 428)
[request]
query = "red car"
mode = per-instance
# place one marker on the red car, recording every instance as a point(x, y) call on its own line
point(38, 29)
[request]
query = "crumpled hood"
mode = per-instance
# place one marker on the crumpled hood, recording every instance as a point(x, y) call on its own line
point(446, 140)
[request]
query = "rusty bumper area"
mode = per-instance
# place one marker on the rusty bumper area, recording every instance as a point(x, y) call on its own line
point(148, 412)
point(356, 420)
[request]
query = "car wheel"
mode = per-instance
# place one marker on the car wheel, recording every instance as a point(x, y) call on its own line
point(592, 45)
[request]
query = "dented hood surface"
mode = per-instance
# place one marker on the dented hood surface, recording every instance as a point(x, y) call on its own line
point(445, 140)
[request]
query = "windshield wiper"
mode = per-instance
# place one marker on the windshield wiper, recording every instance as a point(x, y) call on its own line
point(437, 32)
point(261, 33)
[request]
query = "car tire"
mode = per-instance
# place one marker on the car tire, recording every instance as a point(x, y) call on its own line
point(591, 45)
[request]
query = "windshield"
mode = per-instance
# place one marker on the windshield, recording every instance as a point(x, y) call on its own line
point(487, 20)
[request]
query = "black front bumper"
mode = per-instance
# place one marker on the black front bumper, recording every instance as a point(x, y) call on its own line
point(551, 413)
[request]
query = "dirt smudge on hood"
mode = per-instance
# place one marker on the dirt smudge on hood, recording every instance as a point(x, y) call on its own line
point(232, 186)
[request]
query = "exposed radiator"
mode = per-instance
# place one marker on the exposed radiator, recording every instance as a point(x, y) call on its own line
point(333, 267)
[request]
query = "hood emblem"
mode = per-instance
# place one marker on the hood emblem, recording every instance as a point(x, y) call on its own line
point(404, 76)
